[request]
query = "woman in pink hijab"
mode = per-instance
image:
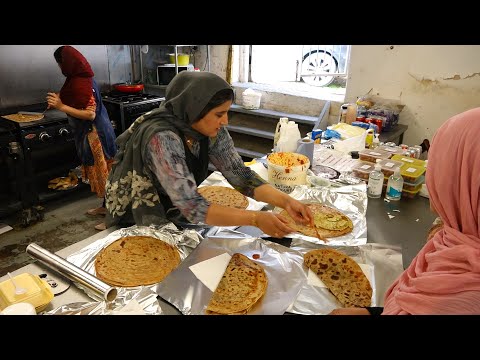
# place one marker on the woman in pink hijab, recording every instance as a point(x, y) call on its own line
point(444, 278)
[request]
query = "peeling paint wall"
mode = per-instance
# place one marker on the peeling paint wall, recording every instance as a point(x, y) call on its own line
point(434, 82)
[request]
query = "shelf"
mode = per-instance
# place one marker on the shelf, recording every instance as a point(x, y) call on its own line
point(303, 119)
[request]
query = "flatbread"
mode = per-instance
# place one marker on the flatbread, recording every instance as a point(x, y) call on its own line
point(243, 283)
point(23, 117)
point(342, 276)
point(136, 260)
point(329, 222)
point(225, 196)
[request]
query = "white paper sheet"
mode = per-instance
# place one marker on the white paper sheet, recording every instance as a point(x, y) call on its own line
point(210, 271)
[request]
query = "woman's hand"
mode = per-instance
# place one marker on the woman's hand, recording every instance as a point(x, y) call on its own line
point(300, 212)
point(54, 101)
point(350, 311)
point(272, 224)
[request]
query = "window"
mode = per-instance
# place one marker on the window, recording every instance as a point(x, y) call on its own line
point(306, 67)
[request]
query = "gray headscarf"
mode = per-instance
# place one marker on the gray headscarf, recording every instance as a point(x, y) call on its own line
point(130, 192)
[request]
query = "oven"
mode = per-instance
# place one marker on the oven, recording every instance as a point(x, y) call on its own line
point(123, 108)
point(42, 150)
point(11, 165)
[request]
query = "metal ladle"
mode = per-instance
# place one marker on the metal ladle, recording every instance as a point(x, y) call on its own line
point(18, 289)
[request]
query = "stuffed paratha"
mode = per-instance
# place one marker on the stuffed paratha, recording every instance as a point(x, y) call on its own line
point(136, 260)
point(243, 283)
point(225, 196)
point(23, 117)
point(329, 222)
point(342, 276)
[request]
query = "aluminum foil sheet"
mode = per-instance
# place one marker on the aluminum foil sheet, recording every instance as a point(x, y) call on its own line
point(284, 269)
point(351, 200)
point(142, 301)
point(381, 263)
point(185, 241)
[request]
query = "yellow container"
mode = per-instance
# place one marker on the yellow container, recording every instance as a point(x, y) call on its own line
point(38, 293)
point(411, 173)
point(183, 59)
point(409, 160)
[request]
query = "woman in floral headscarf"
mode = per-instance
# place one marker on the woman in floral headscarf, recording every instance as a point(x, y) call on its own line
point(94, 136)
point(444, 278)
point(164, 155)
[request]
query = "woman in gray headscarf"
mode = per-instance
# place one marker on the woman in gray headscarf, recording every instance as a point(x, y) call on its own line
point(164, 156)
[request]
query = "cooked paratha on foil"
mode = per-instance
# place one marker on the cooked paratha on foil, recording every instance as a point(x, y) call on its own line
point(341, 275)
point(243, 283)
point(225, 196)
point(329, 222)
point(135, 261)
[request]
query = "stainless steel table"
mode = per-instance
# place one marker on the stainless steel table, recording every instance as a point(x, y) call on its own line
point(408, 228)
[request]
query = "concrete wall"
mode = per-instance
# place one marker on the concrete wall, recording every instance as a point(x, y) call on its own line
point(433, 82)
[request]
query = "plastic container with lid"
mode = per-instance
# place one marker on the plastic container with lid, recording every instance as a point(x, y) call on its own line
point(388, 166)
point(417, 185)
point(373, 155)
point(362, 169)
point(409, 160)
point(38, 293)
point(409, 194)
point(411, 173)
point(394, 150)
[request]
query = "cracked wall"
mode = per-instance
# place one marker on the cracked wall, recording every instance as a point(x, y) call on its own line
point(434, 82)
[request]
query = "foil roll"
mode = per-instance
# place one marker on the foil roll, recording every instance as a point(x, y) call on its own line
point(72, 272)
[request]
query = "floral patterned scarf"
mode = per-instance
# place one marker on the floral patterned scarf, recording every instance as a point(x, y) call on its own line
point(131, 196)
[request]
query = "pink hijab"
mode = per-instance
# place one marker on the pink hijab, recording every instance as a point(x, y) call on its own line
point(444, 278)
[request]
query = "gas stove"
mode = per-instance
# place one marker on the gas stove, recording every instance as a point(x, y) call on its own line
point(123, 109)
point(35, 152)
point(124, 98)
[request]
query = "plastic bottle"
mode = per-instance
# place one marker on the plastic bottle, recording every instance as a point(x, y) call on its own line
point(369, 138)
point(281, 122)
point(343, 114)
point(289, 136)
point(394, 186)
point(376, 141)
point(375, 182)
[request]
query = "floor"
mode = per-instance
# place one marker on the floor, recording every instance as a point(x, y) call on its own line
point(64, 224)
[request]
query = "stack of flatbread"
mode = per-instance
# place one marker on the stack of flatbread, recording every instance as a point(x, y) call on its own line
point(341, 275)
point(63, 183)
point(329, 222)
point(136, 260)
point(23, 117)
point(243, 283)
point(225, 196)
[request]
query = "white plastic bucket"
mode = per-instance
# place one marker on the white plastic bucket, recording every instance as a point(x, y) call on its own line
point(293, 172)
point(251, 100)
